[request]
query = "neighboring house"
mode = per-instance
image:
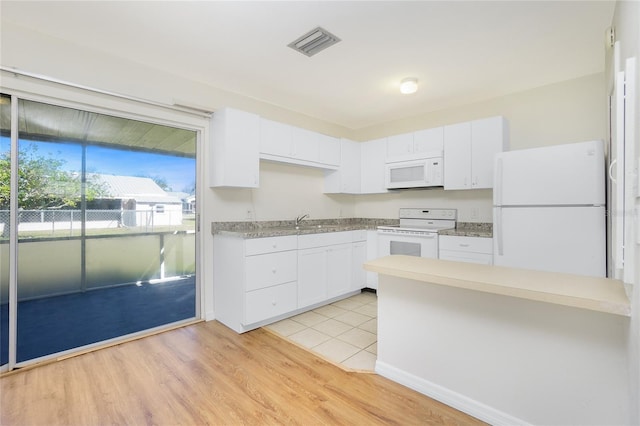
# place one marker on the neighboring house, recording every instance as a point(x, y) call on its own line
point(141, 200)
point(125, 201)
point(188, 201)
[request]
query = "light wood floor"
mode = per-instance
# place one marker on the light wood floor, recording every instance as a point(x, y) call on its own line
point(207, 374)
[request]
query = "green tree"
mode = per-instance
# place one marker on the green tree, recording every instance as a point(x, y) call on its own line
point(42, 184)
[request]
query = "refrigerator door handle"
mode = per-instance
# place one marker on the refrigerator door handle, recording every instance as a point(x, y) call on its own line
point(498, 224)
point(498, 182)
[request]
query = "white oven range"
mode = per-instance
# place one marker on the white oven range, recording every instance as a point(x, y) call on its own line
point(417, 234)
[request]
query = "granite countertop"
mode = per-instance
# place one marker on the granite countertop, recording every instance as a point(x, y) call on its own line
point(278, 228)
point(470, 229)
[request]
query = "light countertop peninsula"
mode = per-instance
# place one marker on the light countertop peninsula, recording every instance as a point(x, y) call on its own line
point(591, 293)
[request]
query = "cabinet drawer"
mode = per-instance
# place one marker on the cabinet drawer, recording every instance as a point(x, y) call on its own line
point(466, 244)
point(460, 256)
point(321, 240)
point(266, 270)
point(270, 302)
point(270, 244)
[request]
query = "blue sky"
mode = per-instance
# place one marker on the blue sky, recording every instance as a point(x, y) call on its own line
point(178, 172)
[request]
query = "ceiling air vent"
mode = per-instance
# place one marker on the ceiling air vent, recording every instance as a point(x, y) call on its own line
point(314, 41)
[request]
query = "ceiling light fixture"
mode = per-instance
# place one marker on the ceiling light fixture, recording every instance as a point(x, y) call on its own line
point(409, 85)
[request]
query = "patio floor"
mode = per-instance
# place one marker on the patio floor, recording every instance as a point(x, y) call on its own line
point(54, 324)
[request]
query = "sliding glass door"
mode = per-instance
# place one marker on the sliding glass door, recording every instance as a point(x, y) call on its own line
point(106, 229)
point(5, 220)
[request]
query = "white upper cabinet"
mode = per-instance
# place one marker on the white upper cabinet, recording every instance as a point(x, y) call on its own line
point(330, 150)
point(290, 144)
point(429, 141)
point(416, 145)
point(400, 147)
point(306, 145)
point(235, 139)
point(372, 166)
point(488, 137)
point(346, 179)
point(457, 156)
point(276, 138)
point(469, 149)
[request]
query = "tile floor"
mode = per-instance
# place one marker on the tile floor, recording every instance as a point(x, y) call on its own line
point(344, 332)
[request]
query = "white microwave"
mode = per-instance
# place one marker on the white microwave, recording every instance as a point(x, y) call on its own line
point(421, 173)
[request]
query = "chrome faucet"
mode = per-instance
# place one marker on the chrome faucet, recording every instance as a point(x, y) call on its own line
point(299, 219)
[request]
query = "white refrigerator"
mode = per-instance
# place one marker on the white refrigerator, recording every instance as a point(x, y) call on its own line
point(549, 209)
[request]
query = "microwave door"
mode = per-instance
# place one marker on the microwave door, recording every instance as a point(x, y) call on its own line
point(406, 176)
point(414, 174)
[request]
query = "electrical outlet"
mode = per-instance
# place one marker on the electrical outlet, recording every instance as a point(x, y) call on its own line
point(475, 213)
point(249, 214)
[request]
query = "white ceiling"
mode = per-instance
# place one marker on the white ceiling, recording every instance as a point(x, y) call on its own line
point(461, 51)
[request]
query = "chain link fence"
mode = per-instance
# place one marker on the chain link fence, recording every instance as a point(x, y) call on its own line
point(59, 223)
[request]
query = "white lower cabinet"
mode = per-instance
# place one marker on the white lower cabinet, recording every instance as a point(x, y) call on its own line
point(371, 278)
point(312, 283)
point(339, 268)
point(270, 302)
point(324, 266)
point(466, 249)
point(261, 280)
point(254, 279)
point(358, 257)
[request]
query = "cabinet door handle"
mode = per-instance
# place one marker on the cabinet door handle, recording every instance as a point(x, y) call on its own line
point(274, 302)
point(464, 245)
point(273, 270)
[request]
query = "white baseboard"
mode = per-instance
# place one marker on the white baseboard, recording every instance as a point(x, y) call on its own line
point(448, 397)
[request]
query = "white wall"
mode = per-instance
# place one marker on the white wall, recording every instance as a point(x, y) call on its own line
point(286, 191)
